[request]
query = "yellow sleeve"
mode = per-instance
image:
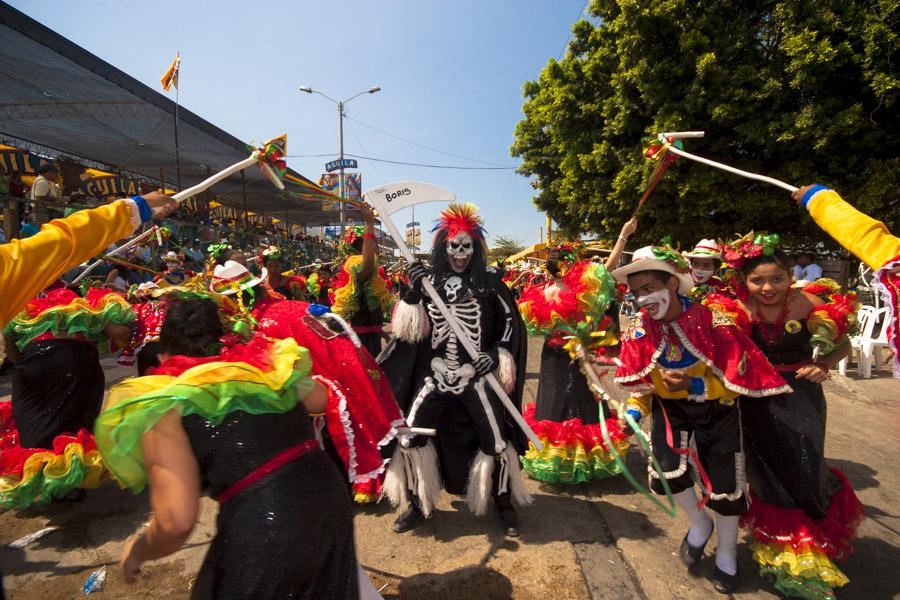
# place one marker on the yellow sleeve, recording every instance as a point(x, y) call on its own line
point(868, 239)
point(28, 266)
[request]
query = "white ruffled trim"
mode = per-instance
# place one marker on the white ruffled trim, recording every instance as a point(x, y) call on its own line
point(346, 327)
point(409, 322)
point(784, 389)
point(345, 423)
point(650, 366)
point(506, 371)
point(884, 271)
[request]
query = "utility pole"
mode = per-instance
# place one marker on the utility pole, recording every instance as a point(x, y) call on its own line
point(341, 180)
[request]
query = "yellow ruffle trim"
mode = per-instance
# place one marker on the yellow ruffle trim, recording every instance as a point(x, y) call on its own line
point(806, 563)
point(57, 466)
point(76, 305)
point(284, 355)
point(347, 298)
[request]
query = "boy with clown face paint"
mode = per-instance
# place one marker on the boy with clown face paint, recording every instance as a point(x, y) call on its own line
point(689, 365)
point(439, 386)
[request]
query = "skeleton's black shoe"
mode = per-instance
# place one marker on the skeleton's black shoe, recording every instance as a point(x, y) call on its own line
point(408, 519)
point(509, 520)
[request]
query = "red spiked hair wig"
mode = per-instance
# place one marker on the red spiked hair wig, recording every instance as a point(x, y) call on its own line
point(460, 217)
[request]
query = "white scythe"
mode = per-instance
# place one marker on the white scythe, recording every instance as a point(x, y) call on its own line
point(664, 138)
point(392, 197)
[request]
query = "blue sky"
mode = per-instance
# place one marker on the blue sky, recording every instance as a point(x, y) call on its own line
point(451, 75)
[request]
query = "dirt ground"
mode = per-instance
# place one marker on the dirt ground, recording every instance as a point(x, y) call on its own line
point(601, 540)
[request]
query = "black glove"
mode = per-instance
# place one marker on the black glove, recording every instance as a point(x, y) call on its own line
point(485, 362)
point(416, 272)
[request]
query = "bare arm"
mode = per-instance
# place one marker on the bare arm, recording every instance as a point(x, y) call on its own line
point(628, 230)
point(174, 494)
point(369, 248)
point(316, 400)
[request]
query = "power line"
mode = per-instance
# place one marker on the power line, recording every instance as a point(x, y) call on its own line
point(410, 164)
point(310, 155)
point(403, 139)
point(568, 39)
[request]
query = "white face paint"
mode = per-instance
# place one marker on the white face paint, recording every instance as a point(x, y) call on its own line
point(172, 266)
point(657, 303)
point(701, 275)
point(459, 251)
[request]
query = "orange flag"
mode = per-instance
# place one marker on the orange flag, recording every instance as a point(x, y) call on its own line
point(170, 78)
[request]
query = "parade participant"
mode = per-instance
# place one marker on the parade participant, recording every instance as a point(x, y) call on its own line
point(693, 363)
point(359, 292)
point(803, 514)
point(705, 259)
point(440, 387)
point(565, 414)
point(361, 414)
point(867, 239)
point(232, 418)
point(279, 286)
point(57, 390)
point(30, 265)
point(318, 285)
point(149, 310)
point(175, 273)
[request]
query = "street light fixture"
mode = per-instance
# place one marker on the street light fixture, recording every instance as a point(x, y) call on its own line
point(340, 104)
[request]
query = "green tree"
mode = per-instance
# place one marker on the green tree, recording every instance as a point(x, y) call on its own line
point(504, 247)
point(802, 90)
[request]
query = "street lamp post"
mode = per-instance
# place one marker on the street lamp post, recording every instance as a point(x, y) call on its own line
point(340, 106)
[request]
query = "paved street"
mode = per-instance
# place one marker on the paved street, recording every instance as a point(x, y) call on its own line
point(594, 541)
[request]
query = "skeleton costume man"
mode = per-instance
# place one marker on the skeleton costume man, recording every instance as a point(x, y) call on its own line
point(439, 386)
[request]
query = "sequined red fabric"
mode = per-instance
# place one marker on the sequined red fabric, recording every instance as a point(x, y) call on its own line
point(725, 348)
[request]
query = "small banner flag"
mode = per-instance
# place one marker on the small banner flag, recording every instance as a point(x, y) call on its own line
point(170, 78)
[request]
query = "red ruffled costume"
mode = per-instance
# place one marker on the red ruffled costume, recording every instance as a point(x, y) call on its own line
point(362, 414)
point(712, 337)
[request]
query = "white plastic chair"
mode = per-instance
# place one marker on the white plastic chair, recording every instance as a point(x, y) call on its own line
point(875, 345)
point(864, 343)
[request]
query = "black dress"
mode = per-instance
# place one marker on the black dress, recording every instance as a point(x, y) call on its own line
point(57, 387)
point(563, 392)
point(784, 436)
point(288, 535)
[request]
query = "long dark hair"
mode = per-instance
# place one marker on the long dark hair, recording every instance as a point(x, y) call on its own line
point(192, 328)
point(440, 262)
point(777, 258)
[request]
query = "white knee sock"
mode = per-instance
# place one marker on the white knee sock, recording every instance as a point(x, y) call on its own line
point(726, 551)
point(701, 524)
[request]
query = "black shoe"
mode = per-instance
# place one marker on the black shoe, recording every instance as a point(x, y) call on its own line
point(509, 520)
point(725, 583)
point(689, 555)
point(408, 519)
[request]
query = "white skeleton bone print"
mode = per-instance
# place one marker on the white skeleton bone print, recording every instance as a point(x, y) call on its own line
point(452, 375)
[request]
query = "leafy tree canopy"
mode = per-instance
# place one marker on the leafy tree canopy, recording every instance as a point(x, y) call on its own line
point(504, 247)
point(802, 90)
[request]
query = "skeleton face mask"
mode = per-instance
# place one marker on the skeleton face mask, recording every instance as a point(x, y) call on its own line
point(459, 251)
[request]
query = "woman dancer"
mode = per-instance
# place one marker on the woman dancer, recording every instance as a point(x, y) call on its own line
point(803, 514)
point(234, 419)
point(57, 390)
point(566, 415)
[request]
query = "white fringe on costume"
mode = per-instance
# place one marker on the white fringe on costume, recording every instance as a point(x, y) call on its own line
point(517, 487)
point(506, 372)
point(409, 322)
point(478, 494)
point(413, 470)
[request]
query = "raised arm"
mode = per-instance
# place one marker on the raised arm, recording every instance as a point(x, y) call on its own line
point(30, 265)
point(628, 230)
point(369, 247)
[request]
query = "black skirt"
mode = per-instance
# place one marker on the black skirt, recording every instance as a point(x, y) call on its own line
point(563, 392)
point(784, 442)
point(57, 387)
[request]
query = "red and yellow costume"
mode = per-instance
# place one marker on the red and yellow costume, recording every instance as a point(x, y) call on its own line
point(567, 314)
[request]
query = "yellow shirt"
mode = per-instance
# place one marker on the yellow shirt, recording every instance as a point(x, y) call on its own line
point(30, 265)
point(868, 239)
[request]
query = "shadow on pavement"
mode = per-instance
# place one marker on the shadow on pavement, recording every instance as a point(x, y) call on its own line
point(861, 476)
point(468, 582)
